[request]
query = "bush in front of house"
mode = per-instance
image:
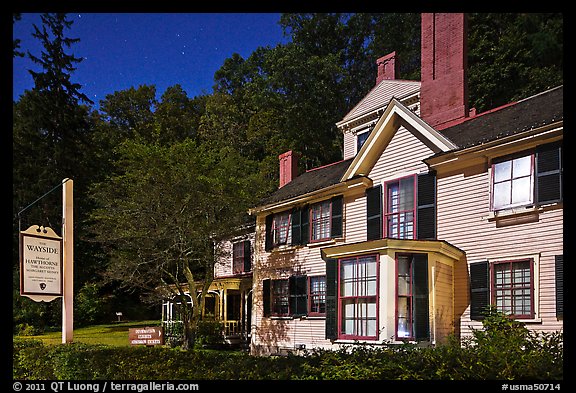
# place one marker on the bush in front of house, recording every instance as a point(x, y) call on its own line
point(502, 350)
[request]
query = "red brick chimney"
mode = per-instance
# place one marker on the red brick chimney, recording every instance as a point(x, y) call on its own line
point(288, 167)
point(386, 67)
point(444, 87)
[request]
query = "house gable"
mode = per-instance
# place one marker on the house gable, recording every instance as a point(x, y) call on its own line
point(395, 115)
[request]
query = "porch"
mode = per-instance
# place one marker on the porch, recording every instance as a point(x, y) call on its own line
point(228, 303)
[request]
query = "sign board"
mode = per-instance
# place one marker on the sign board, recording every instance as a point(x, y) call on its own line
point(146, 336)
point(40, 264)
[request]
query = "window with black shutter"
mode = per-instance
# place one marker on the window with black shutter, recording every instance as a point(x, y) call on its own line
point(296, 226)
point(298, 295)
point(336, 229)
point(374, 213)
point(247, 256)
point(268, 241)
point(331, 299)
point(426, 206)
point(479, 289)
point(559, 273)
point(549, 173)
point(412, 312)
point(266, 297)
point(421, 311)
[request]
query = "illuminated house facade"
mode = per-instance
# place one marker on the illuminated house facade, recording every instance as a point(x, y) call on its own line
point(434, 213)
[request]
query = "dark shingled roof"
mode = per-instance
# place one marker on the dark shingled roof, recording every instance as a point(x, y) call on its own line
point(313, 180)
point(529, 113)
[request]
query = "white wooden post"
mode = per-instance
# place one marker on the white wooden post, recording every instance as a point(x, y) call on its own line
point(68, 256)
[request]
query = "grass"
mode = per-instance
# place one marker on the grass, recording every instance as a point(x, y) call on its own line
point(115, 334)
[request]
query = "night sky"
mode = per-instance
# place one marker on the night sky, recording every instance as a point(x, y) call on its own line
point(123, 50)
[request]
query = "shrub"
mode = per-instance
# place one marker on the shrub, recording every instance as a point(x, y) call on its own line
point(503, 349)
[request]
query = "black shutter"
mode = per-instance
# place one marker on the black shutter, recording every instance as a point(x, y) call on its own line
point(331, 299)
point(268, 244)
point(421, 311)
point(426, 206)
point(304, 231)
point(266, 296)
point(247, 256)
point(479, 289)
point(559, 286)
point(298, 295)
point(549, 173)
point(374, 213)
point(336, 224)
point(296, 227)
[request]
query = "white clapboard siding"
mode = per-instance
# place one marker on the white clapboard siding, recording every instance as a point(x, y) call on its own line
point(463, 207)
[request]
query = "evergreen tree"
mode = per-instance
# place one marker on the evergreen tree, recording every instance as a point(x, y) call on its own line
point(50, 130)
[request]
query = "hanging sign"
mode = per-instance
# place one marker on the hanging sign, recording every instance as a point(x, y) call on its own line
point(40, 264)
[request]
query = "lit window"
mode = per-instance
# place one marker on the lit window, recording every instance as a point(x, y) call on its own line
point(513, 183)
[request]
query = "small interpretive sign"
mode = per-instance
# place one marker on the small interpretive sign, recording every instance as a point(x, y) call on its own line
point(146, 336)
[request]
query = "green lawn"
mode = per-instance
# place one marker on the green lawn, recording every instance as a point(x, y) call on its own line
point(113, 334)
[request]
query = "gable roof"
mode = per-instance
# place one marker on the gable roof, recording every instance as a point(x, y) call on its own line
point(532, 112)
point(395, 115)
point(380, 95)
point(310, 181)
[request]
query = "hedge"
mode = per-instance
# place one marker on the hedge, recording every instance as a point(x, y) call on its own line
point(541, 360)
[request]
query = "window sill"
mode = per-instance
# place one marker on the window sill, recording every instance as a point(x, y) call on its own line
point(359, 341)
point(522, 211)
point(284, 248)
point(532, 320)
point(321, 243)
point(513, 212)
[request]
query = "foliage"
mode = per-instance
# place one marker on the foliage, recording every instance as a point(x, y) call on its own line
point(90, 305)
point(486, 355)
point(210, 334)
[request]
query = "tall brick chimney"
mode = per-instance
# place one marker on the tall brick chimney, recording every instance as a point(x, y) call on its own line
point(288, 167)
point(444, 87)
point(386, 67)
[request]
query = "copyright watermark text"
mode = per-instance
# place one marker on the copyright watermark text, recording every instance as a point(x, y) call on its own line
point(101, 387)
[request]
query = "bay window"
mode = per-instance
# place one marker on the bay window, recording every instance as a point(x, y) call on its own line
point(358, 297)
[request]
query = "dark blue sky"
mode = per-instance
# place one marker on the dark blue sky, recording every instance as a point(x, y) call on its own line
point(123, 50)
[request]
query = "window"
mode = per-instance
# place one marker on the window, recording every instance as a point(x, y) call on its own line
point(512, 288)
point(412, 314)
point(409, 211)
point(513, 182)
point(360, 139)
point(302, 224)
point(317, 295)
point(320, 219)
point(281, 233)
point(404, 320)
point(285, 297)
point(508, 285)
point(358, 297)
point(400, 208)
point(533, 177)
point(279, 297)
point(241, 257)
